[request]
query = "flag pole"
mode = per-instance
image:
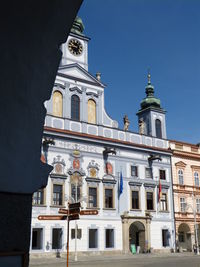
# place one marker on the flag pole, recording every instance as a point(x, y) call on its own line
point(118, 195)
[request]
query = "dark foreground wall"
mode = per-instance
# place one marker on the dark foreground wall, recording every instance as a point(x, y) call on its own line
point(31, 33)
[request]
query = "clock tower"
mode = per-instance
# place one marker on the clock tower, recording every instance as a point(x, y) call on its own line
point(75, 50)
point(151, 116)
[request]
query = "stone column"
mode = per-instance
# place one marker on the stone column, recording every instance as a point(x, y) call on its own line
point(125, 235)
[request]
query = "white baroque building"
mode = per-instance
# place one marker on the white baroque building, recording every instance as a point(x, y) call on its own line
point(89, 153)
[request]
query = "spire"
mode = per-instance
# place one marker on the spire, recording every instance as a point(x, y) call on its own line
point(149, 77)
point(77, 26)
point(150, 100)
point(149, 88)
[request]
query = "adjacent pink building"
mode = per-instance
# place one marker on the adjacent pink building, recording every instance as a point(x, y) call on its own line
point(186, 173)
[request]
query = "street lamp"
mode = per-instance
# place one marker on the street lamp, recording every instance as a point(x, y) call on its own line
point(195, 224)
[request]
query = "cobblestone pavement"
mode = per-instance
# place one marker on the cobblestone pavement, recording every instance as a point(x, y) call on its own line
point(142, 260)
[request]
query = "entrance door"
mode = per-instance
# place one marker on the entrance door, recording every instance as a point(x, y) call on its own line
point(137, 235)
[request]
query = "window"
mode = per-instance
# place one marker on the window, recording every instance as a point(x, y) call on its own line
point(135, 200)
point(196, 178)
point(38, 197)
point(165, 238)
point(57, 104)
point(57, 194)
point(158, 128)
point(163, 202)
point(181, 237)
point(91, 111)
point(75, 191)
point(79, 233)
point(198, 204)
point(57, 238)
point(109, 198)
point(149, 197)
point(134, 171)
point(92, 197)
point(183, 204)
point(180, 177)
point(109, 238)
point(162, 174)
point(37, 236)
point(93, 238)
point(75, 108)
point(148, 173)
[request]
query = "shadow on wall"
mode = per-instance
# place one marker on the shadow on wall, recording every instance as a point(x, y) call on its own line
point(31, 34)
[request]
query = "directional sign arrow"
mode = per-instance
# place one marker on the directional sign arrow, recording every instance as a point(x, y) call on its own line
point(88, 212)
point(73, 217)
point(63, 211)
point(52, 217)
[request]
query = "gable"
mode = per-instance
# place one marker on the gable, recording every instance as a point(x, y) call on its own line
point(76, 72)
point(180, 164)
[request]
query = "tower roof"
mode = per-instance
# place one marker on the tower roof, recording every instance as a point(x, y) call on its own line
point(78, 26)
point(150, 100)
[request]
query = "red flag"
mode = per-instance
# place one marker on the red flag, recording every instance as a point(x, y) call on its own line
point(159, 191)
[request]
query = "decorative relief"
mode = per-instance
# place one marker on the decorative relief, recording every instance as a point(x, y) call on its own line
point(58, 167)
point(92, 94)
point(109, 168)
point(93, 169)
point(75, 146)
point(76, 162)
point(75, 89)
point(109, 177)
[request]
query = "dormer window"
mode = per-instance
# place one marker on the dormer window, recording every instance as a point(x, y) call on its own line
point(75, 108)
point(91, 111)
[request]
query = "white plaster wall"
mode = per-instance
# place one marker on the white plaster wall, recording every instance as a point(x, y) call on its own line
point(156, 234)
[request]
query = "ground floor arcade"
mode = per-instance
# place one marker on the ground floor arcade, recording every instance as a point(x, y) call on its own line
point(186, 238)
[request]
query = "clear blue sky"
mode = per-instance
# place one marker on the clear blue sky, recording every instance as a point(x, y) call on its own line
point(130, 36)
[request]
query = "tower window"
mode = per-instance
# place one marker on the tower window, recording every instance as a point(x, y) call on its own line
point(91, 111)
point(75, 108)
point(57, 104)
point(158, 128)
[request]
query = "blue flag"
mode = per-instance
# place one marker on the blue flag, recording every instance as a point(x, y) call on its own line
point(121, 184)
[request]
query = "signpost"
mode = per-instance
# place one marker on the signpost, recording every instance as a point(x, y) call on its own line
point(70, 214)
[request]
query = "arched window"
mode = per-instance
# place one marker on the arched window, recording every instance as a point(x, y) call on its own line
point(196, 178)
point(57, 104)
point(91, 111)
point(158, 128)
point(75, 108)
point(180, 176)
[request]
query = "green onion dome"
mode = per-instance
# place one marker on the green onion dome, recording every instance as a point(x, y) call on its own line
point(77, 26)
point(150, 100)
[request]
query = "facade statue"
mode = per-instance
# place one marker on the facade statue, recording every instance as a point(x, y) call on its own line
point(126, 123)
point(141, 126)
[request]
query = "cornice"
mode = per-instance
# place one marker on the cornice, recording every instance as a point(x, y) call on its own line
point(186, 155)
point(111, 140)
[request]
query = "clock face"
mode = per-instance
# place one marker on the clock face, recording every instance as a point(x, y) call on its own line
point(75, 47)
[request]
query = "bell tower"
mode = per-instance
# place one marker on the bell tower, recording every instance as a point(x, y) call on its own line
point(151, 117)
point(75, 50)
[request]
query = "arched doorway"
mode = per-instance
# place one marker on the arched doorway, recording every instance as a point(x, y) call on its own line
point(184, 237)
point(137, 235)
